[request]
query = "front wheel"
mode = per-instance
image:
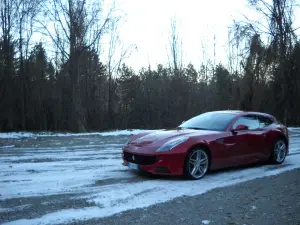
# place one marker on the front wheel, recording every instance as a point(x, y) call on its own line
point(196, 164)
point(279, 152)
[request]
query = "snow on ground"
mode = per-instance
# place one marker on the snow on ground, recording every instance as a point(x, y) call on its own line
point(20, 207)
point(91, 169)
point(17, 135)
point(50, 134)
point(296, 129)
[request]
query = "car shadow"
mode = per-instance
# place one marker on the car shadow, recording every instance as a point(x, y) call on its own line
point(239, 167)
point(151, 176)
point(148, 176)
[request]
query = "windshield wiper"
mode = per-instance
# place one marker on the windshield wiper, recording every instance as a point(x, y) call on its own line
point(196, 128)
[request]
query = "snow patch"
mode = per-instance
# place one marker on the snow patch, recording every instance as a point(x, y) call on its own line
point(205, 222)
point(7, 146)
point(295, 129)
point(17, 135)
point(116, 198)
point(16, 208)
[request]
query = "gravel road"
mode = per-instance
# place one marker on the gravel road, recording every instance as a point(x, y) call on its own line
point(81, 180)
point(266, 201)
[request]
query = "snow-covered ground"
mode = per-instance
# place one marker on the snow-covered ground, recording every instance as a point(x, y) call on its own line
point(53, 134)
point(89, 168)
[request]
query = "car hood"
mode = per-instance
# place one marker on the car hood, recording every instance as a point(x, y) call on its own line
point(163, 136)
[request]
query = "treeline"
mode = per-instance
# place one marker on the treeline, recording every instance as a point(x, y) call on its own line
point(79, 92)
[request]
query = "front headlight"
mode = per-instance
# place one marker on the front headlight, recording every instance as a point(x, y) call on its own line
point(171, 144)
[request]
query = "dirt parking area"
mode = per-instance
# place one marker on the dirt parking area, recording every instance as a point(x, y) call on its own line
point(80, 180)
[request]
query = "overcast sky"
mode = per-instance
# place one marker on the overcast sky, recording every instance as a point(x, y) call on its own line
point(148, 25)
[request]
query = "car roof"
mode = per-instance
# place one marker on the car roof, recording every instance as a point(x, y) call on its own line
point(241, 112)
point(228, 111)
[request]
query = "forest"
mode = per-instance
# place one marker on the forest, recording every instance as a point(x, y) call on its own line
point(71, 89)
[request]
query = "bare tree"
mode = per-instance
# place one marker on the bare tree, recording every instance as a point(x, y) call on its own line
point(7, 23)
point(115, 60)
point(175, 48)
point(77, 25)
point(205, 63)
point(16, 17)
point(278, 30)
point(26, 12)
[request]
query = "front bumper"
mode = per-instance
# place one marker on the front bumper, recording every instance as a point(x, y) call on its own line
point(163, 164)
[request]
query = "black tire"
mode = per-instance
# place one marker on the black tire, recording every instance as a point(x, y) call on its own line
point(274, 158)
point(188, 165)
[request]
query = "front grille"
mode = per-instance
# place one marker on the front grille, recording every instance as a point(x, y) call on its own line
point(139, 159)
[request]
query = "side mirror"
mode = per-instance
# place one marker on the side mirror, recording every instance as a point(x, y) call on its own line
point(241, 127)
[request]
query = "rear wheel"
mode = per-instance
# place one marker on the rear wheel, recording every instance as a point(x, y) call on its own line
point(279, 152)
point(196, 164)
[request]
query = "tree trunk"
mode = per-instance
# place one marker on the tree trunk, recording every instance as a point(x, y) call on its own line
point(22, 78)
point(110, 101)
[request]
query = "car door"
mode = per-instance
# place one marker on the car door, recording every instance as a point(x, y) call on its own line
point(247, 142)
point(263, 149)
point(233, 148)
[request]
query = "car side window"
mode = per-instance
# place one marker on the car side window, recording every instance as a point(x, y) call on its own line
point(251, 121)
point(264, 121)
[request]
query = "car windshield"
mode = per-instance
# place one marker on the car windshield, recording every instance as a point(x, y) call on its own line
point(209, 121)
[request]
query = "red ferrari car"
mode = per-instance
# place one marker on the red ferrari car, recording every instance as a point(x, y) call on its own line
point(209, 141)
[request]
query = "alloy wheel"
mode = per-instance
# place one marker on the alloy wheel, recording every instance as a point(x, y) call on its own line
point(198, 163)
point(279, 151)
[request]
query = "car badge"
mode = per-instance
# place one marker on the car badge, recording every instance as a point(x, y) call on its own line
point(133, 158)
